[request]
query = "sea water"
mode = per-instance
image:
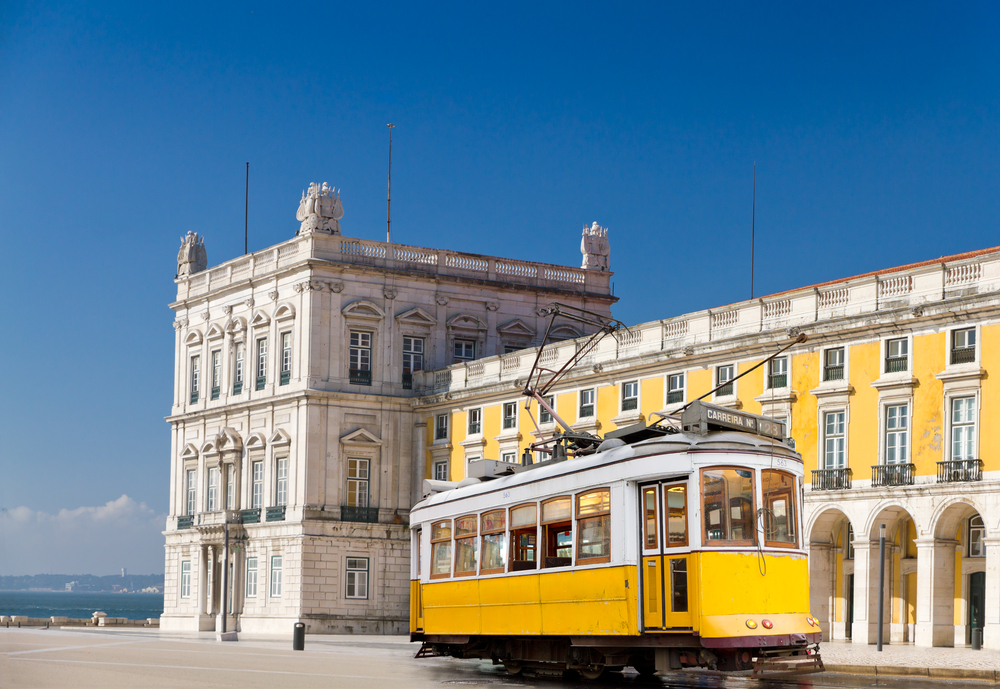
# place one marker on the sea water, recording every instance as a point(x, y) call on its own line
point(81, 604)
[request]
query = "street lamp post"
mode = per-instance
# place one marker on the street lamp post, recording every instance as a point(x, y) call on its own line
point(881, 583)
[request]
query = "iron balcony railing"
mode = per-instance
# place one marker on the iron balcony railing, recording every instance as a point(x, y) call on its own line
point(475, 427)
point(777, 380)
point(275, 514)
point(238, 387)
point(194, 396)
point(675, 396)
point(963, 355)
point(509, 422)
point(352, 513)
point(286, 378)
point(630, 404)
point(893, 474)
point(833, 372)
point(960, 471)
point(407, 381)
point(250, 516)
point(895, 364)
point(215, 392)
point(361, 377)
point(724, 390)
point(261, 382)
point(832, 479)
point(185, 522)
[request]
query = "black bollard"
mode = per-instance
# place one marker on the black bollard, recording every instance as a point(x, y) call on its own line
point(299, 637)
point(977, 639)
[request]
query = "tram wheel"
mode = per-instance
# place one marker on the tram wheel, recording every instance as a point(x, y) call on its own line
point(513, 667)
point(593, 674)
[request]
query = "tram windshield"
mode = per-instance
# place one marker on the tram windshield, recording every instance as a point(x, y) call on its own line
point(728, 506)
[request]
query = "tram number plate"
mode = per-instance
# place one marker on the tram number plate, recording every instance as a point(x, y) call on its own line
point(506, 494)
point(778, 461)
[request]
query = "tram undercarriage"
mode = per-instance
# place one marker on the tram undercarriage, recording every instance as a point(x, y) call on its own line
point(593, 656)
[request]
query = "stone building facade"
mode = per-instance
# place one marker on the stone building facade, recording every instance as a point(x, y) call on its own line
point(891, 403)
point(292, 421)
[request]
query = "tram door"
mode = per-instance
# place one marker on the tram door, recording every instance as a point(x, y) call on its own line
point(665, 556)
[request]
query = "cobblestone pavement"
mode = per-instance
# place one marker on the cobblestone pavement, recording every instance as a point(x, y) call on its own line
point(907, 655)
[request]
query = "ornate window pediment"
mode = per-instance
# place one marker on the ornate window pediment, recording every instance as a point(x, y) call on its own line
point(259, 319)
point(284, 312)
point(236, 324)
point(516, 328)
point(256, 442)
point(215, 332)
point(190, 452)
point(361, 437)
point(466, 321)
point(280, 437)
point(363, 309)
point(209, 449)
point(417, 316)
point(228, 440)
point(193, 338)
point(563, 332)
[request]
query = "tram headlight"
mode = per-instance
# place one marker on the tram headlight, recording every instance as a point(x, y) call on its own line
point(751, 624)
point(767, 624)
point(811, 621)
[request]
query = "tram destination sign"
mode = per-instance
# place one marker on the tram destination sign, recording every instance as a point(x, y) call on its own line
point(701, 417)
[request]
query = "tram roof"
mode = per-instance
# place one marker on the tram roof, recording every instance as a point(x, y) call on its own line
point(721, 441)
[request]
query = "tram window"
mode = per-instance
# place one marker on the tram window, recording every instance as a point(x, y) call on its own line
point(675, 499)
point(557, 530)
point(679, 585)
point(651, 517)
point(441, 549)
point(593, 514)
point(523, 537)
point(727, 503)
point(779, 508)
point(465, 545)
point(493, 530)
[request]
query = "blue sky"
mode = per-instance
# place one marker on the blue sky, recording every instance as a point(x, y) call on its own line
point(124, 125)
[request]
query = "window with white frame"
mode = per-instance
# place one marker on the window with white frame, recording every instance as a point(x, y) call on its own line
point(543, 414)
point(192, 495)
point(834, 454)
point(257, 485)
point(896, 438)
point(963, 346)
point(896, 355)
point(441, 471)
point(777, 372)
point(849, 554)
point(509, 457)
point(833, 364)
point(261, 363)
point(586, 403)
point(275, 576)
point(238, 368)
point(251, 590)
point(213, 489)
point(357, 577)
point(977, 531)
point(723, 375)
point(230, 487)
point(441, 427)
point(286, 358)
point(630, 396)
point(963, 428)
point(413, 354)
point(360, 358)
point(465, 350)
point(195, 377)
point(216, 373)
point(281, 483)
point(509, 415)
point(675, 388)
point(475, 421)
point(185, 579)
point(357, 482)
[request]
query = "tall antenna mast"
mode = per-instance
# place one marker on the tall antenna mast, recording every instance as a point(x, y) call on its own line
point(246, 210)
point(753, 221)
point(388, 209)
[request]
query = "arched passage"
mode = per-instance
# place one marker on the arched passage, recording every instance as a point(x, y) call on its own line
point(830, 572)
point(957, 590)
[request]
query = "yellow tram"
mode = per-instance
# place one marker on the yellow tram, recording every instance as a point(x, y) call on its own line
point(658, 551)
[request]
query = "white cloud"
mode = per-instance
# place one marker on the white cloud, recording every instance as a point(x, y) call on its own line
point(85, 540)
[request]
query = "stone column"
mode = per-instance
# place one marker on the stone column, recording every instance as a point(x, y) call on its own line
point(822, 580)
point(210, 590)
point(991, 632)
point(935, 592)
point(863, 626)
point(202, 579)
point(419, 459)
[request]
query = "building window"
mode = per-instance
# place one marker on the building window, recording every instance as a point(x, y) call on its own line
point(586, 403)
point(896, 450)
point(275, 576)
point(441, 471)
point(777, 372)
point(630, 396)
point(475, 421)
point(850, 543)
point(963, 346)
point(261, 363)
point(593, 514)
point(675, 388)
point(509, 457)
point(195, 377)
point(724, 374)
point(357, 577)
point(238, 369)
point(357, 483)
point(257, 493)
point(465, 350)
point(510, 415)
point(896, 354)
point(441, 550)
point(361, 358)
point(216, 373)
point(192, 496)
point(230, 486)
point(441, 427)
point(186, 579)
point(281, 485)
point(213, 489)
point(834, 440)
point(251, 577)
point(963, 428)
point(977, 531)
point(833, 364)
point(543, 414)
point(413, 354)
point(286, 359)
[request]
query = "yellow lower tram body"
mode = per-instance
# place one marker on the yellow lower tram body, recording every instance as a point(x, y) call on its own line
point(743, 611)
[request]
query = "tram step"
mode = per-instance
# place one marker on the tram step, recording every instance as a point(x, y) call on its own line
point(781, 666)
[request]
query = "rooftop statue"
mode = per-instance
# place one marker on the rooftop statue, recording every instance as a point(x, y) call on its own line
point(192, 257)
point(320, 210)
point(595, 248)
